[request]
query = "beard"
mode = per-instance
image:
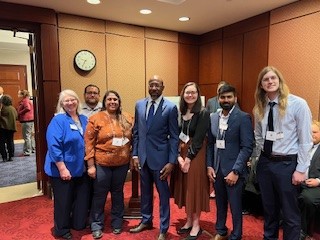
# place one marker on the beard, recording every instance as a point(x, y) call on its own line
point(226, 106)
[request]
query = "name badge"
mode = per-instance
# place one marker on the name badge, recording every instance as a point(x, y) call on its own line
point(221, 144)
point(73, 126)
point(117, 142)
point(223, 126)
point(280, 135)
point(271, 136)
point(184, 138)
point(125, 141)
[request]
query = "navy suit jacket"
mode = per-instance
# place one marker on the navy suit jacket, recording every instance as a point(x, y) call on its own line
point(157, 145)
point(238, 143)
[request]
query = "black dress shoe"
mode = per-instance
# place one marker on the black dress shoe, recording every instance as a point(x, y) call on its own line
point(97, 234)
point(162, 236)
point(141, 227)
point(68, 235)
point(190, 237)
point(184, 230)
point(117, 231)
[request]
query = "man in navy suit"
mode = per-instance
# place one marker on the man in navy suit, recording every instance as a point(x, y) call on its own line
point(309, 199)
point(155, 152)
point(230, 144)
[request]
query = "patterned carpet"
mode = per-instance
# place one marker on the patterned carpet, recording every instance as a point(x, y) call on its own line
point(32, 219)
point(19, 171)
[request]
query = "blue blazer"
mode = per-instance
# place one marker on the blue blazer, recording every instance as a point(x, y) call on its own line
point(239, 139)
point(159, 144)
point(65, 143)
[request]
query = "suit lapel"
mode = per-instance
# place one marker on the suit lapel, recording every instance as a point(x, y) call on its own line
point(232, 117)
point(314, 162)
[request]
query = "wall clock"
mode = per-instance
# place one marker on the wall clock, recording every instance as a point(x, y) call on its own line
point(85, 60)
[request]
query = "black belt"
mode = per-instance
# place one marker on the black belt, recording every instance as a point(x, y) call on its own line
point(280, 158)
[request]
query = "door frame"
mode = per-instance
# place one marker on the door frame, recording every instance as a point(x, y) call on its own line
point(43, 23)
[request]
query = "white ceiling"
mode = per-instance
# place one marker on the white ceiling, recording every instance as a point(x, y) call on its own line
point(206, 15)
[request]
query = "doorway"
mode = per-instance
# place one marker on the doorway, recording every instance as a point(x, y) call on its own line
point(16, 73)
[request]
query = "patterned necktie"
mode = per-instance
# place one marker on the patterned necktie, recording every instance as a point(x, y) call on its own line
point(267, 148)
point(150, 114)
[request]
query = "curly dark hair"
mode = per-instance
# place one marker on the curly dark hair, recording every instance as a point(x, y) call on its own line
point(6, 100)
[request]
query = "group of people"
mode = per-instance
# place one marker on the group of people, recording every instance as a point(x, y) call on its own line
point(24, 113)
point(191, 148)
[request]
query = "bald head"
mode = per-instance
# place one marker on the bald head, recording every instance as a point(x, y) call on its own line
point(1, 90)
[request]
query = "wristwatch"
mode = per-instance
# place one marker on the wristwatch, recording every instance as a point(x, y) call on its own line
point(236, 172)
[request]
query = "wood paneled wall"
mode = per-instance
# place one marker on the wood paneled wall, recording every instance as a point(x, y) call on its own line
point(235, 54)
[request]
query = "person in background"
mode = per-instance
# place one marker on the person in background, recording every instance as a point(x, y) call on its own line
point(191, 184)
point(230, 145)
point(309, 198)
point(155, 152)
point(283, 133)
point(1, 92)
point(213, 106)
point(65, 165)
point(108, 152)
point(26, 118)
point(8, 127)
point(92, 102)
point(213, 103)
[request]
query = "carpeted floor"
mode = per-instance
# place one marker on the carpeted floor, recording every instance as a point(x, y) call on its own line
point(32, 219)
point(19, 171)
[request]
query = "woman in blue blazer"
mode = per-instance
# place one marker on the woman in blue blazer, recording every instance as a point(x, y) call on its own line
point(64, 164)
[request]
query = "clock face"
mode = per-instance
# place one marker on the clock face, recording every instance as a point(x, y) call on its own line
point(85, 60)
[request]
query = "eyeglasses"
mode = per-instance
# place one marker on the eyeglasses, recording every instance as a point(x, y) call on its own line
point(191, 92)
point(272, 78)
point(92, 93)
point(70, 100)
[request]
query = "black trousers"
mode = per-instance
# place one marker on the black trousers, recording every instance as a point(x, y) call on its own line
point(309, 202)
point(71, 201)
point(6, 143)
point(278, 193)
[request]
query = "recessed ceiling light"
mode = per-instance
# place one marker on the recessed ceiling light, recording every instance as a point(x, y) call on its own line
point(184, 19)
point(145, 11)
point(93, 1)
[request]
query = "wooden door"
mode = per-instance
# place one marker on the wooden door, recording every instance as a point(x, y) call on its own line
point(12, 79)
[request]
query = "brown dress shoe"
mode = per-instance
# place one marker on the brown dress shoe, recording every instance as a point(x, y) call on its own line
point(162, 236)
point(219, 237)
point(141, 227)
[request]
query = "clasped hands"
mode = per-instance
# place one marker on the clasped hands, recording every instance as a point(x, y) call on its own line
point(184, 164)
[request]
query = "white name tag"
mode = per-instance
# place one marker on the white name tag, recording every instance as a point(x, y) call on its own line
point(221, 144)
point(73, 126)
point(271, 136)
point(117, 142)
point(223, 126)
point(125, 141)
point(184, 138)
point(280, 135)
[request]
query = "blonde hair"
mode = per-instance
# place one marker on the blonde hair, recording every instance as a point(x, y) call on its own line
point(317, 123)
point(62, 95)
point(24, 93)
point(260, 94)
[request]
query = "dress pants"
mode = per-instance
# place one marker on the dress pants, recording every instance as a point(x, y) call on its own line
point(233, 195)
point(147, 178)
point(27, 131)
point(71, 199)
point(108, 179)
point(6, 143)
point(278, 192)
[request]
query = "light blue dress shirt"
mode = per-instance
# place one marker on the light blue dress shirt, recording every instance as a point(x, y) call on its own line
point(296, 128)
